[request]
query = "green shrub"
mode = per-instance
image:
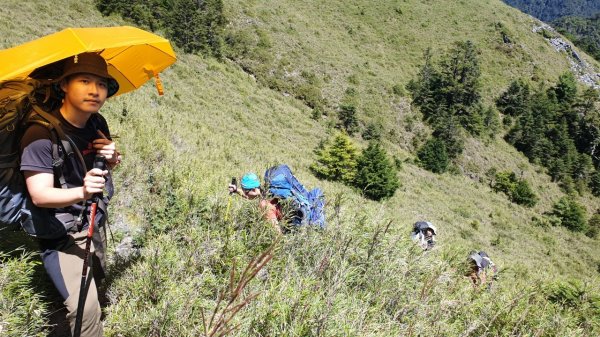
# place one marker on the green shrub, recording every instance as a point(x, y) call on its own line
point(311, 95)
point(515, 100)
point(578, 299)
point(398, 90)
point(375, 173)
point(523, 195)
point(504, 182)
point(570, 213)
point(568, 293)
point(517, 190)
point(432, 156)
point(373, 131)
point(546, 34)
point(316, 114)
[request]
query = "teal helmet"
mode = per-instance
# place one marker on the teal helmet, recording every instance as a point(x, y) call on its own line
point(250, 181)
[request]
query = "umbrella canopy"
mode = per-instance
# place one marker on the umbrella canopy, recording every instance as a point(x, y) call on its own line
point(133, 55)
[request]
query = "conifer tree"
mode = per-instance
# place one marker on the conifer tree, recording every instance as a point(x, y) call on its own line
point(348, 119)
point(373, 131)
point(583, 169)
point(424, 90)
point(515, 100)
point(566, 88)
point(375, 173)
point(491, 121)
point(336, 161)
point(195, 26)
point(451, 88)
point(594, 183)
point(184, 25)
point(588, 138)
point(460, 86)
point(433, 156)
point(448, 131)
point(213, 24)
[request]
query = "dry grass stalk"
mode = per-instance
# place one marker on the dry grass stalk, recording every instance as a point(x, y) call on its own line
point(375, 240)
point(222, 316)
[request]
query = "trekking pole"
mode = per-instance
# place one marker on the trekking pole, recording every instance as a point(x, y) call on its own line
point(99, 162)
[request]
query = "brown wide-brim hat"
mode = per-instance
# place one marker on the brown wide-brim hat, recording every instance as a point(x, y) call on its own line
point(90, 63)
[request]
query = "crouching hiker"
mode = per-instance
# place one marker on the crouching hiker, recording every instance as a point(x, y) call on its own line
point(423, 234)
point(481, 270)
point(63, 189)
point(284, 197)
point(250, 189)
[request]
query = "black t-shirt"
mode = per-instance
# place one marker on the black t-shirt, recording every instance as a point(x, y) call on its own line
point(36, 150)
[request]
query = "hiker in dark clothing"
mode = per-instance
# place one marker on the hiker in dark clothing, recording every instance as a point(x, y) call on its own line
point(251, 190)
point(65, 191)
point(482, 270)
point(424, 234)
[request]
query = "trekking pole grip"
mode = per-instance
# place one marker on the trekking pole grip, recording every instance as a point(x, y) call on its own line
point(99, 163)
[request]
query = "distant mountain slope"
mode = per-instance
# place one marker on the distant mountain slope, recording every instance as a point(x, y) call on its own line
point(373, 49)
point(577, 19)
point(548, 10)
point(584, 32)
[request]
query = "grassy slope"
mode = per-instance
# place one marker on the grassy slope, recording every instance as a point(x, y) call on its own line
point(374, 46)
point(215, 121)
point(386, 40)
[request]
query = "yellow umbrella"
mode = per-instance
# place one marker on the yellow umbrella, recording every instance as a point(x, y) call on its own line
point(133, 55)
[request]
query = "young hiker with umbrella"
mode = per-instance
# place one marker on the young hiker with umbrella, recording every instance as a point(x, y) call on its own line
point(85, 85)
point(85, 66)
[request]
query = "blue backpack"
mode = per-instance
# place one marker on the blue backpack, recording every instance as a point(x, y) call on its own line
point(281, 183)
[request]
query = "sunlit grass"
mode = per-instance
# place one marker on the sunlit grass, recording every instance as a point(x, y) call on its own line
point(361, 276)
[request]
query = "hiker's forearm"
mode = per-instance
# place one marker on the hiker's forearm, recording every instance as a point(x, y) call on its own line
point(43, 193)
point(51, 197)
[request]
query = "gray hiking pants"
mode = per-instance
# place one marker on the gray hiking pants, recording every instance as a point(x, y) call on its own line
point(64, 265)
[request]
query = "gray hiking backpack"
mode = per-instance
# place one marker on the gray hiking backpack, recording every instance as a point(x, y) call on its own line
point(484, 262)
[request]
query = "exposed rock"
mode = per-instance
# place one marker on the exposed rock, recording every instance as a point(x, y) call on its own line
point(127, 248)
point(582, 70)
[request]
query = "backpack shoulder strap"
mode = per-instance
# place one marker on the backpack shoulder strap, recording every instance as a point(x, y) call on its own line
point(59, 139)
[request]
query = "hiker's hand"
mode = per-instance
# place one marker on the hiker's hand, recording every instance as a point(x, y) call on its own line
point(93, 182)
point(107, 148)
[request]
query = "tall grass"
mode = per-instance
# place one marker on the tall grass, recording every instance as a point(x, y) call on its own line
point(22, 309)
